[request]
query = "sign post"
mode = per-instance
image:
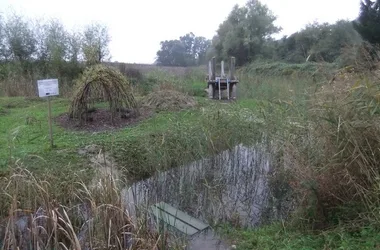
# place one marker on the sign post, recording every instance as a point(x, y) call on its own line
point(48, 88)
point(50, 123)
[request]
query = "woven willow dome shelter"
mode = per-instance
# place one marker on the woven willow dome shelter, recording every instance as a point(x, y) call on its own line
point(102, 84)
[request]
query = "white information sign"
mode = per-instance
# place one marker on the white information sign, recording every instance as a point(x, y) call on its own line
point(48, 87)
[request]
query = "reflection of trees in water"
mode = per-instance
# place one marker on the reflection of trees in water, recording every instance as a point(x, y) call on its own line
point(216, 189)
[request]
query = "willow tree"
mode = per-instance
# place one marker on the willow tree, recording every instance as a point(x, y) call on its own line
point(245, 32)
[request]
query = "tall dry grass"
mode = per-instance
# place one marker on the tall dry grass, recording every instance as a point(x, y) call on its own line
point(347, 132)
point(328, 136)
point(18, 86)
point(27, 86)
point(93, 217)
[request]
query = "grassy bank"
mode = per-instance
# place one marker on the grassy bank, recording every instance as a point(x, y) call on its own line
point(25, 134)
point(325, 134)
point(315, 71)
point(61, 179)
point(164, 140)
point(282, 237)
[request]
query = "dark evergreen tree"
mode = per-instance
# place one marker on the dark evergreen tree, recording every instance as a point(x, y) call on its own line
point(368, 22)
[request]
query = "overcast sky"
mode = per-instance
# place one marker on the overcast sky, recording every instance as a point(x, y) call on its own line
point(137, 26)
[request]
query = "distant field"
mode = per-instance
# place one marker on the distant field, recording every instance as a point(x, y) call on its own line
point(146, 68)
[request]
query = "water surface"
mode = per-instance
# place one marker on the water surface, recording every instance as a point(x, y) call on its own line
point(229, 187)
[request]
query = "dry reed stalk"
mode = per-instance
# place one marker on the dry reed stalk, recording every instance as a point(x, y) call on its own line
point(48, 224)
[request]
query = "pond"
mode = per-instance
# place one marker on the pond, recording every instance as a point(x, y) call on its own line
point(232, 187)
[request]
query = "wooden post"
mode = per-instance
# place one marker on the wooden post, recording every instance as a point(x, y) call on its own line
point(222, 70)
point(211, 90)
point(228, 89)
point(220, 90)
point(213, 77)
point(209, 70)
point(232, 69)
point(233, 91)
point(50, 123)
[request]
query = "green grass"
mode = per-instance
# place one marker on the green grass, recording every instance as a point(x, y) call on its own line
point(25, 127)
point(277, 236)
point(167, 139)
point(193, 82)
point(197, 88)
point(281, 69)
point(277, 105)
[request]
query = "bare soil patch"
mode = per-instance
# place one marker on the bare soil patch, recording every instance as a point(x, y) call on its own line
point(101, 120)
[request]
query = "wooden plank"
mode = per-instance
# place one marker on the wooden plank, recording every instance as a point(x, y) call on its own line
point(173, 221)
point(182, 216)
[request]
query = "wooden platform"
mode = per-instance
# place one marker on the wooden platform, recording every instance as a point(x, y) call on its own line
point(177, 219)
point(228, 82)
point(223, 81)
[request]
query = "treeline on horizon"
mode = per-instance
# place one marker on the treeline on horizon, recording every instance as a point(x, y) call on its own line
point(247, 34)
point(31, 49)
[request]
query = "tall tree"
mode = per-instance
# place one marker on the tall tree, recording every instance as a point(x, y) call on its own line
point(19, 40)
point(57, 46)
point(74, 46)
point(188, 50)
point(40, 34)
point(368, 22)
point(188, 44)
point(317, 42)
point(2, 39)
point(95, 43)
point(201, 45)
point(172, 53)
point(246, 32)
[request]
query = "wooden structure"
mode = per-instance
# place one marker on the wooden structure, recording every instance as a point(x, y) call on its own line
point(216, 84)
point(177, 219)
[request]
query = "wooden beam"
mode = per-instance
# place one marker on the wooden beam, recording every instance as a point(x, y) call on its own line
point(231, 75)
